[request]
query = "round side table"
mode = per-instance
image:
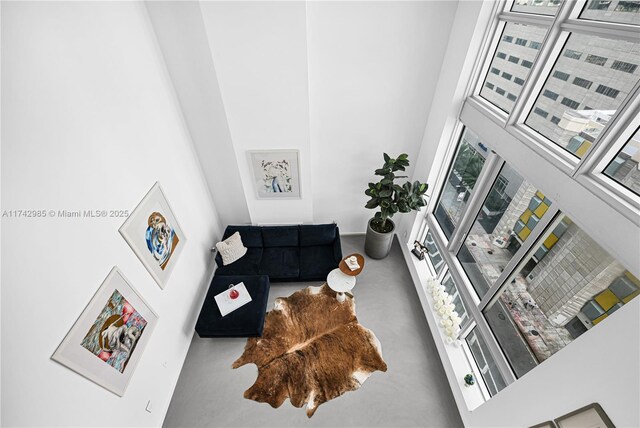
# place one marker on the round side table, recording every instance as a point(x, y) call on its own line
point(340, 283)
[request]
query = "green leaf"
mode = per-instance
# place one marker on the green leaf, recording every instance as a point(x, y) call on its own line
point(403, 156)
point(382, 171)
point(386, 181)
point(371, 192)
point(384, 204)
point(386, 157)
point(385, 193)
point(394, 208)
point(372, 203)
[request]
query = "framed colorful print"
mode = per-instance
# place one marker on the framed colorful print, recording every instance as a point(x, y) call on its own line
point(276, 173)
point(106, 342)
point(153, 233)
point(591, 416)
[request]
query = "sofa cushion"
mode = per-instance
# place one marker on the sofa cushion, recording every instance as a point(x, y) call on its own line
point(246, 321)
point(317, 234)
point(316, 262)
point(280, 262)
point(247, 265)
point(251, 235)
point(280, 236)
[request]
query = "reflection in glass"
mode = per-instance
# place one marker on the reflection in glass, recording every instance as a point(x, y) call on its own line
point(589, 81)
point(510, 66)
point(625, 168)
point(511, 211)
point(486, 364)
point(623, 12)
point(568, 286)
point(434, 254)
point(541, 7)
point(461, 181)
point(452, 290)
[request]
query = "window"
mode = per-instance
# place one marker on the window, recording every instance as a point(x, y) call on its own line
point(560, 75)
point(572, 54)
point(529, 278)
point(461, 180)
point(566, 287)
point(507, 39)
point(581, 128)
point(570, 103)
point(595, 59)
point(540, 112)
point(506, 75)
point(609, 92)
point(535, 6)
point(627, 67)
point(485, 362)
point(535, 45)
point(510, 212)
point(624, 12)
point(434, 254)
point(513, 30)
point(583, 83)
point(501, 55)
point(624, 167)
point(452, 290)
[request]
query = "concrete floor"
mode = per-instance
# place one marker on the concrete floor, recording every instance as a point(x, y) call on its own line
point(414, 392)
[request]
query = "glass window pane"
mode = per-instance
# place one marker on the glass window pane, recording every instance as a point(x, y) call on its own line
point(461, 180)
point(625, 168)
point(434, 254)
point(452, 290)
point(511, 211)
point(623, 12)
point(568, 286)
point(589, 81)
point(507, 73)
point(541, 7)
point(485, 362)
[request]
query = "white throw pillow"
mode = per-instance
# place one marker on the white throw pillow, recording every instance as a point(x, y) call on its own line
point(231, 249)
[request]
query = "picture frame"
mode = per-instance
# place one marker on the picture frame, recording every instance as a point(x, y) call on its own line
point(547, 424)
point(107, 340)
point(154, 234)
point(276, 173)
point(590, 416)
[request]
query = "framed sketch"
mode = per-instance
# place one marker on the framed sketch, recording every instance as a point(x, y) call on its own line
point(153, 233)
point(591, 416)
point(106, 342)
point(276, 173)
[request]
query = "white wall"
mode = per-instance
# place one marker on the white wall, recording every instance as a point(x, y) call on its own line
point(90, 121)
point(182, 38)
point(373, 68)
point(260, 54)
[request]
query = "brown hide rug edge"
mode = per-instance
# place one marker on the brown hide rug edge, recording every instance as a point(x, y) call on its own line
point(312, 350)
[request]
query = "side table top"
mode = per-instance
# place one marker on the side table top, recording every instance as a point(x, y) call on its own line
point(340, 282)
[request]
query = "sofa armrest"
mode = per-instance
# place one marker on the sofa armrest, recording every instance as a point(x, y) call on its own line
point(337, 247)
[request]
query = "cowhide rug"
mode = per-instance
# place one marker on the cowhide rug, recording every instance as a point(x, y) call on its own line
point(311, 351)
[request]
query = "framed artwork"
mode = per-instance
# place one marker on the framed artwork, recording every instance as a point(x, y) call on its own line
point(547, 424)
point(276, 173)
point(153, 233)
point(591, 416)
point(106, 342)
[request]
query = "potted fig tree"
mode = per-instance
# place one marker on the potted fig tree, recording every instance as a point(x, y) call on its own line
point(390, 198)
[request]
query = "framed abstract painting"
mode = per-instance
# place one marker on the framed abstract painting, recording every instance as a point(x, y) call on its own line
point(276, 173)
point(153, 233)
point(106, 342)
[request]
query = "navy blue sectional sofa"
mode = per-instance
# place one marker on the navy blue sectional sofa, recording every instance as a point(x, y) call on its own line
point(286, 253)
point(274, 254)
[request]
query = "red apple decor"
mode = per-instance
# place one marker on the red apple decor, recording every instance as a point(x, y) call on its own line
point(234, 294)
